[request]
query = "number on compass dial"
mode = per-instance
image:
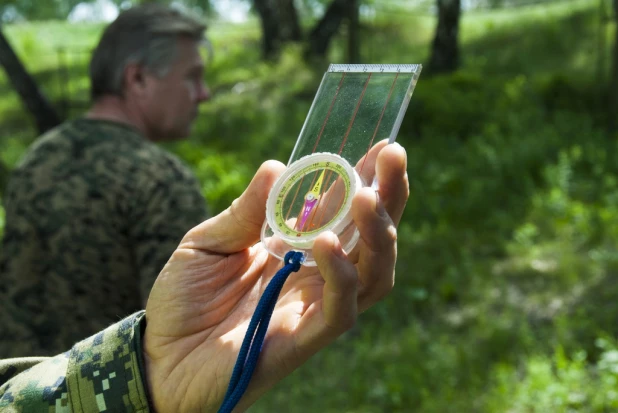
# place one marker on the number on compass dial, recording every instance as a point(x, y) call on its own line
point(313, 196)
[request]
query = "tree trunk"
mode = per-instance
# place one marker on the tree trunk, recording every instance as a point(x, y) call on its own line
point(40, 108)
point(270, 31)
point(613, 86)
point(289, 26)
point(4, 177)
point(353, 32)
point(280, 25)
point(445, 47)
point(324, 31)
point(602, 46)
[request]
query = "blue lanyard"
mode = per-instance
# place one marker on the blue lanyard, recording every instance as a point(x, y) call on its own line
point(254, 338)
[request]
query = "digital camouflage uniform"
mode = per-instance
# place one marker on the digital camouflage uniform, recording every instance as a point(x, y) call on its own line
point(103, 373)
point(93, 213)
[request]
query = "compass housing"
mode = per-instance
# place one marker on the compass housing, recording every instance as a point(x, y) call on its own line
point(281, 232)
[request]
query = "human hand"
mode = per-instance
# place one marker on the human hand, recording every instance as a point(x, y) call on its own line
point(201, 304)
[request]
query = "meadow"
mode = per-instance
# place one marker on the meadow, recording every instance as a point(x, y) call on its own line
point(508, 271)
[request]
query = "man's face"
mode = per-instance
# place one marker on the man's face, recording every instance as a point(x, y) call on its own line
point(171, 102)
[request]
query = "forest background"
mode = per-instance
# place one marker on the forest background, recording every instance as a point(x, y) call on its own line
point(506, 297)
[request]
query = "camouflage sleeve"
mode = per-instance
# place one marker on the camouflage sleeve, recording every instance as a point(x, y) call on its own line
point(172, 208)
point(102, 373)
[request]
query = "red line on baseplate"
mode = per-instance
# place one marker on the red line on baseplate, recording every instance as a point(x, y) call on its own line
point(375, 132)
point(360, 99)
point(330, 109)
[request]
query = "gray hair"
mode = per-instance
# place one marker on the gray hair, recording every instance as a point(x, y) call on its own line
point(145, 35)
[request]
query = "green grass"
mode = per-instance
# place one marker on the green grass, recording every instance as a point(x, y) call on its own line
point(505, 298)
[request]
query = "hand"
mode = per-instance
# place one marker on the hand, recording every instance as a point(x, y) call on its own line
point(200, 305)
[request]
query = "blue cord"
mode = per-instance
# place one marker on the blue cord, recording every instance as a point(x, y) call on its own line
point(254, 338)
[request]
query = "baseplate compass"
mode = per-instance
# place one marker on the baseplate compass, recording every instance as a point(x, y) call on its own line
point(355, 108)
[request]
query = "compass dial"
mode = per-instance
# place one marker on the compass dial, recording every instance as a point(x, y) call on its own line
point(312, 218)
point(313, 195)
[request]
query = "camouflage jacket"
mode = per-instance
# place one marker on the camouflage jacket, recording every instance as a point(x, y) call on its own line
point(103, 373)
point(93, 213)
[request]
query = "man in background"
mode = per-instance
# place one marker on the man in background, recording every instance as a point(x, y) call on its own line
point(95, 209)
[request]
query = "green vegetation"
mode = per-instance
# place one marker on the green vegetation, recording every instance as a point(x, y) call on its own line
point(506, 295)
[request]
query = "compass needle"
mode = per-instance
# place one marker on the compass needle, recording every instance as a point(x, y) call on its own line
point(311, 200)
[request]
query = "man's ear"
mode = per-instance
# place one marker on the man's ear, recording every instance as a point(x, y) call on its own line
point(135, 79)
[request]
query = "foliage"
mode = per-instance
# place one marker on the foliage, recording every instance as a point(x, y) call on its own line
point(562, 383)
point(505, 298)
point(16, 10)
point(40, 9)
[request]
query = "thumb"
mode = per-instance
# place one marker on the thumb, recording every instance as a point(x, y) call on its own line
point(238, 227)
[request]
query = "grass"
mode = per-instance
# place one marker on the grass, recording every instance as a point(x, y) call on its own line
point(505, 297)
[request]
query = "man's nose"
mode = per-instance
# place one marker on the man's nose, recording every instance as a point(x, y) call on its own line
point(203, 94)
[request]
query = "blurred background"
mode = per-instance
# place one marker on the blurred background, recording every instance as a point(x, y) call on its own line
point(507, 283)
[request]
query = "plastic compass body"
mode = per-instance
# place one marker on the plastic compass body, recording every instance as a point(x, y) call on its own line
point(313, 195)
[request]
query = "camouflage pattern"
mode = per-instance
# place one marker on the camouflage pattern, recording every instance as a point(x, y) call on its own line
point(93, 213)
point(103, 373)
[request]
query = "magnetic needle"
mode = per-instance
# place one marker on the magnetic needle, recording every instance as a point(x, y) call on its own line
point(313, 195)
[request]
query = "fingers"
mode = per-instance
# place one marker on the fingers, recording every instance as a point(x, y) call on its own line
point(378, 249)
point(392, 183)
point(366, 166)
point(393, 186)
point(376, 215)
point(336, 311)
point(339, 300)
point(238, 227)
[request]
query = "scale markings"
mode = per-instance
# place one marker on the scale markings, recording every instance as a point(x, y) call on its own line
point(373, 68)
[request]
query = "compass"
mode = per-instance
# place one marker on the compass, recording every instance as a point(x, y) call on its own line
point(355, 108)
point(313, 195)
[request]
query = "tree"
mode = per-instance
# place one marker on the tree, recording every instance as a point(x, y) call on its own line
point(325, 29)
point(280, 25)
point(4, 177)
point(613, 85)
point(36, 103)
point(353, 32)
point(445, 46)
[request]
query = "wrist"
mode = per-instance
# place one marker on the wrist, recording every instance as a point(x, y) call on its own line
point(146, 367)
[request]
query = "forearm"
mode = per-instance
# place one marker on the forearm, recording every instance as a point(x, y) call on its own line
point(102, 373)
